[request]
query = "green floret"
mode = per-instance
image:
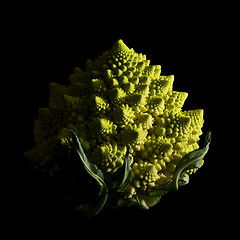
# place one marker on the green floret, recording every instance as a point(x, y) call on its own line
point(120, 100)
point(109, 156)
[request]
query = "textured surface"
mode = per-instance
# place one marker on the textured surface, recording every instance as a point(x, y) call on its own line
point(120, 99)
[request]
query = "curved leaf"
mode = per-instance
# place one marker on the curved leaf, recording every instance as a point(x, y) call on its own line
point(124, 174)
point(190, 161)
point(119, 181)
point(127, 174)
point(87, 209)
point(79, 148)
point(146, 201)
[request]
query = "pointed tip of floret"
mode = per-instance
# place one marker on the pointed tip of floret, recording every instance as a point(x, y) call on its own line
point(119, 44)
point(120, 48)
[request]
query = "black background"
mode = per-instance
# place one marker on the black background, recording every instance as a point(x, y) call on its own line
point(46, 43)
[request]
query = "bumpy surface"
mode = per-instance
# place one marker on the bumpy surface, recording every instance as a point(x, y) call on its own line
point(120, 99)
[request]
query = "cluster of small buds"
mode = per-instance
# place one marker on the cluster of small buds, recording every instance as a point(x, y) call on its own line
point(120, 100)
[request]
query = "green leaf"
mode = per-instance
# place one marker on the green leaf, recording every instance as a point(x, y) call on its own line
point(89, 209)
point(128, 202)
point(143, 201)
point(146, 201)
point(126, 173)
point(161, 190)
point(119, 181)
point(189, 161)
point(151, 198)
point(122, 176)
point(89, 165)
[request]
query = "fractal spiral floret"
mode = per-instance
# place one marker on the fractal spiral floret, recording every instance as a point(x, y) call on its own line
point(124, 122)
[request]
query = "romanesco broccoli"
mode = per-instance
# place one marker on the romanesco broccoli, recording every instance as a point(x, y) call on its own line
point(120, 109)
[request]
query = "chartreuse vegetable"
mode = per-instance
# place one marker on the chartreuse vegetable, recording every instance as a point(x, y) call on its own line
point(122, 123)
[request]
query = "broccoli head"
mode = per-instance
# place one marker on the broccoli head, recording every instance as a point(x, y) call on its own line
point(123, 114)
